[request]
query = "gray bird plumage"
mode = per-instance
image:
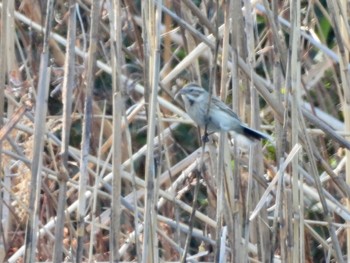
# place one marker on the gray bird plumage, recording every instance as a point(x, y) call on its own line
point(219, 118)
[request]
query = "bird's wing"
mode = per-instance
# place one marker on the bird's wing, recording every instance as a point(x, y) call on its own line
point(222, 106)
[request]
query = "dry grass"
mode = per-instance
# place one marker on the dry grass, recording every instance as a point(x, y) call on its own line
point(109, 167)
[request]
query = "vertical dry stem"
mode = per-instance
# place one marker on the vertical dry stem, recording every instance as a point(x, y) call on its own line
point(118, 108)
point(67, 90)
point(38, 144)
point(152, 20)
point(86, 127)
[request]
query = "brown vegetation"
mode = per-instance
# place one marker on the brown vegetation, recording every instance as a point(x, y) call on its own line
point(99, 161)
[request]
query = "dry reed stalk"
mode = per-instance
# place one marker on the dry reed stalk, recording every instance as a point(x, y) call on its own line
point(38, 143)
point(3, 65)
point(342, 34)
point(3, 73)
point(67, 90)
point(152, 20)
point(86, 128)
point(294, 86)
point(256, 155)
point(95, 194)
point(236, 17)
point(310, 150)
point(228, 193)
point(220, 197)
point(117, 62)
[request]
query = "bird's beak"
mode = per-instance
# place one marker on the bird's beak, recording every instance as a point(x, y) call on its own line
point(178, 94)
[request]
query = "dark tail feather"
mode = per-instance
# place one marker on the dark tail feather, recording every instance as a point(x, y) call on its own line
point(255, 134)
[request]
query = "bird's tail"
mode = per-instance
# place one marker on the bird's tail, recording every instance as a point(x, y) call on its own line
point(251, 133)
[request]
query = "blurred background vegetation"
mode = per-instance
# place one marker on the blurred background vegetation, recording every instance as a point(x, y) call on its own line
point(99, 161)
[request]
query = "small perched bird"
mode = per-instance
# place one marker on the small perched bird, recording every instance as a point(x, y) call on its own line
point(219, 118)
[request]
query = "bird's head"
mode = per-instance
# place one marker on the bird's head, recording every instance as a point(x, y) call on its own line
point(193, 93)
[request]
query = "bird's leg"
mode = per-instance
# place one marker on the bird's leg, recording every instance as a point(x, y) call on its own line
point(205, 137)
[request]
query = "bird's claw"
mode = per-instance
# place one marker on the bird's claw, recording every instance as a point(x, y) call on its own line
point(205, 138)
